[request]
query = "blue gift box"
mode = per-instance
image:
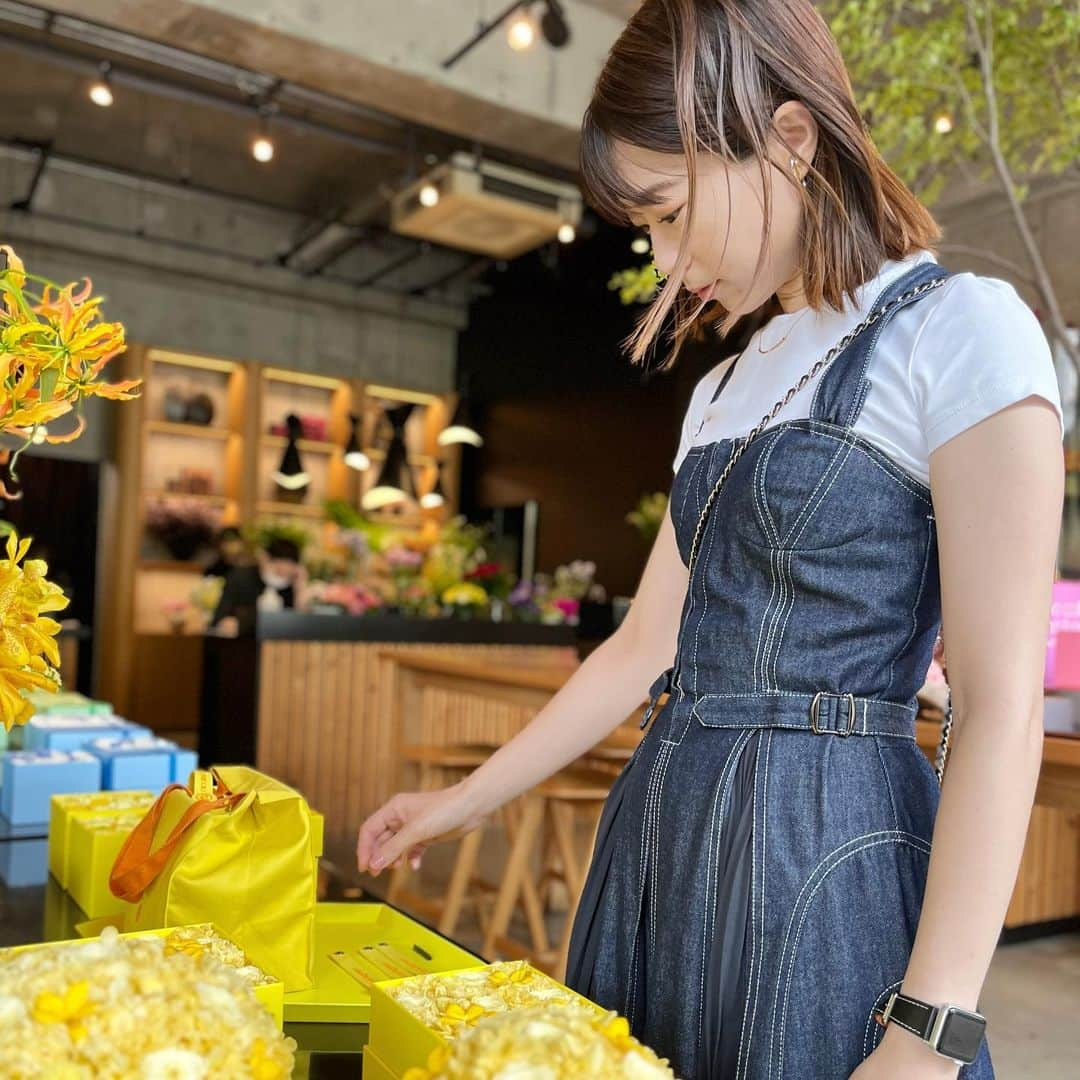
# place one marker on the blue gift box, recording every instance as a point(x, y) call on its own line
point(24, 862)
point(142, 762)
point(66, 732)
point(32, 777)
point(66, 703)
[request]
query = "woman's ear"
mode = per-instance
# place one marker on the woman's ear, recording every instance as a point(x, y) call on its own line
point(797, 129)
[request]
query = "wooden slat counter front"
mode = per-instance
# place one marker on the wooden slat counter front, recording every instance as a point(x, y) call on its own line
point(327, 699)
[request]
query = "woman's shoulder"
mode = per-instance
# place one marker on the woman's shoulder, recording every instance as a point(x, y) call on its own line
point(978, 346)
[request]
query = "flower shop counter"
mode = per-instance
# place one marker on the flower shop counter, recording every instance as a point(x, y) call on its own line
point(328, 697)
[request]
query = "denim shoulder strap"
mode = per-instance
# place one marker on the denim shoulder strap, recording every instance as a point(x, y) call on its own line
point(838, 398)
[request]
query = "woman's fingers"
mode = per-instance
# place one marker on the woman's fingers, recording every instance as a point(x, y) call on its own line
point(376, 830)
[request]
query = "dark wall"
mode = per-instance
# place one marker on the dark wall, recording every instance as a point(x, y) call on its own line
point(566, 418)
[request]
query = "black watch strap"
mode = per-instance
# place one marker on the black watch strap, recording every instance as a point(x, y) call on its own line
point(949, 1030)
point(915, 1015)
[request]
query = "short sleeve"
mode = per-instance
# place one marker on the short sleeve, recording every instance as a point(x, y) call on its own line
point(695, 411)
point(980, 350)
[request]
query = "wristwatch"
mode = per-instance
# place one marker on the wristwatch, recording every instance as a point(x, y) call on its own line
point(950, 1031)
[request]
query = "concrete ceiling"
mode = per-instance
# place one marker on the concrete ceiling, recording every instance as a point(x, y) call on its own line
point(348, 130)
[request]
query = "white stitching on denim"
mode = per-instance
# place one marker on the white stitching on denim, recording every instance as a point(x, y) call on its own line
point(897, 837)
point(754, 988)
point(878, 703)
point(888, 784)
point(643, 867)
point(727, 773)
point(915, 605)
point(654, 855)
point(690, 479)
point(772, 538)
point(871, 1022)
point(810, 509)
point(703, 564)
point(798, 900)
point(907, 482)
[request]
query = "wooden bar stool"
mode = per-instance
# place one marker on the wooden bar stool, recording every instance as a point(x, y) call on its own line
point(560, 803)
point(440, 766)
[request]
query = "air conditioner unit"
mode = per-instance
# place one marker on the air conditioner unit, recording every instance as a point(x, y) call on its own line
point(486, 208)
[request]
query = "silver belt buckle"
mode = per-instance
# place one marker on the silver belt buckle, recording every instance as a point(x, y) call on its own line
point(815, 706)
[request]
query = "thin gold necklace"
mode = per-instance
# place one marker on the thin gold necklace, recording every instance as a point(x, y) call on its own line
point(773, 348)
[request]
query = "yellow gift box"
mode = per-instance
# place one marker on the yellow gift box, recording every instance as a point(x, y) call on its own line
point(269, 995)
point(401, 1040)
point(65, 807)
point(93, 844)
point(374, 1069)
point(343, 933)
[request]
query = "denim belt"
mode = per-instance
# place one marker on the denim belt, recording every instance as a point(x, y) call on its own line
point(822, 713)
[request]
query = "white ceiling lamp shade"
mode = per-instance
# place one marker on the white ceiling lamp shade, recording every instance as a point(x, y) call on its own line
point(355, 457)
point(435, 498)
point(395, 482)
point(461, 428)
point(290, 476)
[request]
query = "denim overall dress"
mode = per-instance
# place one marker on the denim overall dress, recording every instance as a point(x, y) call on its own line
point(760, 861)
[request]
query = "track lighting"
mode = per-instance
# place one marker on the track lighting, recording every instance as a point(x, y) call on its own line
point(101, 88)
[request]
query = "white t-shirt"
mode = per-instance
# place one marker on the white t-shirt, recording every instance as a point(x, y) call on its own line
point(968, 349)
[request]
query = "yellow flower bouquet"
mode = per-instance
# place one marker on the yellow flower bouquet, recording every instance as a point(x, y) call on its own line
point(546, 1042)
point(53, 349)
point(29, 655)
point(155, 1008)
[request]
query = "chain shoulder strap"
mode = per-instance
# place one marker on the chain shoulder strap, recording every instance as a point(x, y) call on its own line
point(814, 371)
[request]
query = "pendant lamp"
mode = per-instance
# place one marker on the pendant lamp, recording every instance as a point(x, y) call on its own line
point(461, 428)
point(290, 474)
point(435, 497)
point(395, 483)
point(355, 458)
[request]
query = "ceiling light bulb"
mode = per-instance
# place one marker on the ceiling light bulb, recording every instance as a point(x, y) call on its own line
point(262, 149)
point(566, 234)
point(100, 94)
point(640, 245)
point(943, 123)
point(429, 195)
point(520, 33)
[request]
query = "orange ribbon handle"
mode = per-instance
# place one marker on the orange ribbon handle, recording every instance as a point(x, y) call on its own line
point(137, 866)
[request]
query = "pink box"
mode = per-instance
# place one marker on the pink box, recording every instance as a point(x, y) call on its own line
point(1063, 647)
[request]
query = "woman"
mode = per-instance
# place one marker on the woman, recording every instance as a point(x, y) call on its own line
point(773, 864)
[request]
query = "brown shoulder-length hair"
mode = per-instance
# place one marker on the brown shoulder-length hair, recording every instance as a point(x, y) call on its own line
point(692, 76)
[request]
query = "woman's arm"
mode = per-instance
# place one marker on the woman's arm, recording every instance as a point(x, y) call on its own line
point(997, 491)
point(608, 686)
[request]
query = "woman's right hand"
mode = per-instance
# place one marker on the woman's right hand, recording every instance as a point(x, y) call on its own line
point(409, 823)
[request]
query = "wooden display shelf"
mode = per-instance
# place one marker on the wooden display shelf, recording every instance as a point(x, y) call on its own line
point(306, 446)
point(298, 509)
point(171, 566)
point(198, 363)
point(198, 431)
point(213, 499)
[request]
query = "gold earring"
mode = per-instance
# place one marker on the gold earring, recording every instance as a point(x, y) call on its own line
point(795, 170)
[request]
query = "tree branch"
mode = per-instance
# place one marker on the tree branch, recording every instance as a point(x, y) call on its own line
point(1013, 268)
point(984, 51)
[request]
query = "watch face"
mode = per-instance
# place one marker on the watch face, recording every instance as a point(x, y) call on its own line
point(961, 1036)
